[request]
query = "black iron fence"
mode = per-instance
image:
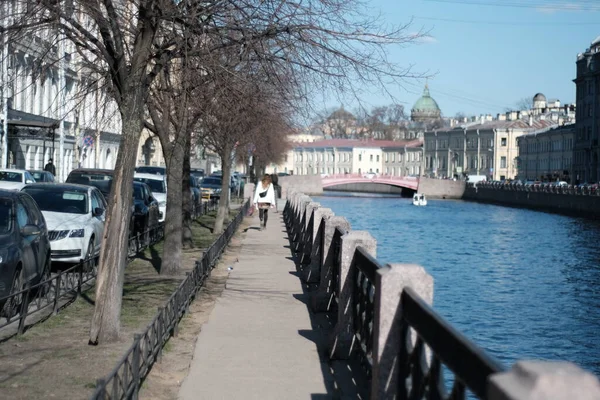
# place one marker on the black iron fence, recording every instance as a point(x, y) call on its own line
point(50, 295)
point(423, 345)
point(541, 187)
point(124, 381)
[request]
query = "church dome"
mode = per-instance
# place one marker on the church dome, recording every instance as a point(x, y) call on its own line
point(539, 97)
point(426, 108)
point(341, 114)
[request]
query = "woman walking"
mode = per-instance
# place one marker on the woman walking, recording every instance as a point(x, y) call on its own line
point(264, 198)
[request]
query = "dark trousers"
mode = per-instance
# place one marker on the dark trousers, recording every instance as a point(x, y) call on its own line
point(263, 215)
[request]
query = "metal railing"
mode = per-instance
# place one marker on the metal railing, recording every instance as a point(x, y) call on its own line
point(124, 381)
point(416, 375)
point(581, 190)
point(62, 287)
point(470, 365)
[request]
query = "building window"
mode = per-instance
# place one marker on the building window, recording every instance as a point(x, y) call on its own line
point(371, 157)
point(359, 170)
point(503, 142)
point(502, 162)
point(387, 157)
point(377, 158)
point(359, 159)
point(393, 157)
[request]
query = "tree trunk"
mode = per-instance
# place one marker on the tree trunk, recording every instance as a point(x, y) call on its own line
point(105, 324)
point(186, 233)
point(223, 209)
point(171, 259)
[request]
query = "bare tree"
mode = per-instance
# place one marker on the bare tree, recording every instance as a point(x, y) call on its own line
point(524, 103)
point(129, 43)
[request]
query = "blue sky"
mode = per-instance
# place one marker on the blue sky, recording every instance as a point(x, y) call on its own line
point(484, 59)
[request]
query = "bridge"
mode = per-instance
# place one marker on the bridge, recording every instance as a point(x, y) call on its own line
point(398, 181)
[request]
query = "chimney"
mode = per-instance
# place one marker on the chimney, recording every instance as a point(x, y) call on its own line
point(482, 119)
point(530, 120)
point(501, 117)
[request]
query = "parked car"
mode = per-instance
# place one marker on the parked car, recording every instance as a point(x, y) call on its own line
point(195, 189)
point(24, 248)
point(146, 213)
point(146, 169)
point(15, 179)
point(197, 172)
point(83, 176)
point(42, 176)
point(75, 217)
point(158, 186)
point(212, 186)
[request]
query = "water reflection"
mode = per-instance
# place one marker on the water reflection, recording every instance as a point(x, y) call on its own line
point(522, 284)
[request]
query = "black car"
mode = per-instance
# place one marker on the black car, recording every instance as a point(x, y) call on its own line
point(84, 176)
point(42, 176)
point(24, 248)
point(197, 172)
point(145, 212)
point(146, 169)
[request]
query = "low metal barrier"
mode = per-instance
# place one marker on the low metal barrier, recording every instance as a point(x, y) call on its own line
point(51, 294)
point(422, 344)
point(585, 190)
point(124, 381)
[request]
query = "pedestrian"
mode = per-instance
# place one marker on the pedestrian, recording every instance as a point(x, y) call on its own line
point(50, 167)
point(264, 198)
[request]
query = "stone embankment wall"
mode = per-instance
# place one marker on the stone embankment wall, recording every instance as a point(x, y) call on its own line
point(309, 184)
point(441, 188)
point(568, 204)
point(369, 187)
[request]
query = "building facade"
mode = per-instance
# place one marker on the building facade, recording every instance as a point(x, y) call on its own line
point(349, 156)
point(586, 167)
point(547, 155)
point(485, 148)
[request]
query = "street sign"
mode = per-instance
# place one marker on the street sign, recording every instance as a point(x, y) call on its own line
point(88, 141)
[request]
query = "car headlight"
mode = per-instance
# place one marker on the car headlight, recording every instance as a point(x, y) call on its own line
point(162, 203)
point(77, 233)
point(3, 255)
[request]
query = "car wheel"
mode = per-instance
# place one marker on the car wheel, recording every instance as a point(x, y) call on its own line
point(90, 261)
point(12, 306)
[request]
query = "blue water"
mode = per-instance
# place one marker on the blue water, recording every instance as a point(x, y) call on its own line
point(522, 284)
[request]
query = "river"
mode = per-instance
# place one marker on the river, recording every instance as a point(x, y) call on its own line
point(522, 284)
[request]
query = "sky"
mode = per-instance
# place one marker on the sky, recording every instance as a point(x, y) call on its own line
point(484, 56)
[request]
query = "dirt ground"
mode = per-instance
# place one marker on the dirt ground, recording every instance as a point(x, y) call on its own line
point(53, 360)
point(166, 376)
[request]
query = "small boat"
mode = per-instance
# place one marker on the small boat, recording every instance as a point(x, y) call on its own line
point(419, 200)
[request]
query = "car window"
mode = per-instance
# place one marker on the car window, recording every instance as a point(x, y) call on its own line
point(10, 176)
point(34, 213)
point(59, 199)
point(22, 215)
point(157, 186)
point(38, 176)
point(29, 177)
point(96, 202)
point(6, 215)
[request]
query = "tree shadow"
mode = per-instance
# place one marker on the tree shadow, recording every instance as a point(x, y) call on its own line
point(155, 259)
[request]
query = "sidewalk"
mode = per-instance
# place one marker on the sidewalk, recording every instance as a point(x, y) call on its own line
point(253, 346)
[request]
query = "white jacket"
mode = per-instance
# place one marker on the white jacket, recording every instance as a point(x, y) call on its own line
point(269, 198)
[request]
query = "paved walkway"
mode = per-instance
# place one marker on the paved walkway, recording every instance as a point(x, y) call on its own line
point(255, 344)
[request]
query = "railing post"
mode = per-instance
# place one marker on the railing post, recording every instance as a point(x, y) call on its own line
point(135, 368)
point(548, 380)
point(321, 299)
point(299, 226)
point(343, 334)
point(311, 273)
point(308, 237)
point(57, 292)
point(389, 283)
point(24, 309)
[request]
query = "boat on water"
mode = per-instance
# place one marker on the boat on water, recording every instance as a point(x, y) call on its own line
point(419, 199)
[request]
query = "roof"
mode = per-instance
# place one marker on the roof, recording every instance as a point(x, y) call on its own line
point(539, 97)
point(426, 102)
point(516, 124)
point(94, 170)
point(558, 129)
point(352, 143)
point(59, 185)
point(155, 177)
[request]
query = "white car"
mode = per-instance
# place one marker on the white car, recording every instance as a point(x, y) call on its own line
point(158, 185)
point(15, 179)
point(75, 218)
